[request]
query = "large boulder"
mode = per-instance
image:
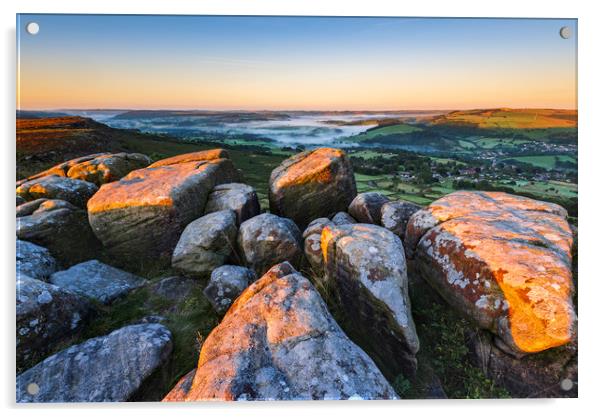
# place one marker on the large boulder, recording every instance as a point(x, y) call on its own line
point(107, 168)
point(140, 218)
point(241, 198)
point(74, 191)
point(503, 261)
point(96, 280)
point(226, 284)
point(63, 168)
point(366, 275)
point(34, 261)
point(312, 236)
point(394, 215)
point(205, 244)
point(208, 155)
point(266, 240)
point(366, 207)
point(104, 369)
point(278, 341)
point(46, 315)
point(312, 184)
point(60, 227)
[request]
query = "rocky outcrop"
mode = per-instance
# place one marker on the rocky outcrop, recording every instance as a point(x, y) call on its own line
point(503, 261)
point(96, 280)
point(107, 168)
point(74, 191)
point(312, 184)
point(46, 315)
point(34, 261)
point(365, 208)
point(208, 155)
point(226, 284)
point(63, 168)
point(278, 341)
point(107, 368)
point(240, 198)
point(266, 240)
point(140, 218)
point(394, 216)
point(205, 244)
point(61, 228)
point(366, 275)
point(311, 244)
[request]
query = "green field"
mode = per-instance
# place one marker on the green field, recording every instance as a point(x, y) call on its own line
point(543, 161)
point(385, 130)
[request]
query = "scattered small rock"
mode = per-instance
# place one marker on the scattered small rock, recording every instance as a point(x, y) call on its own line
point(226, 284)
point(365, 208)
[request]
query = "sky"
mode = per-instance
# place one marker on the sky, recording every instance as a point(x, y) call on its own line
point(294, 63)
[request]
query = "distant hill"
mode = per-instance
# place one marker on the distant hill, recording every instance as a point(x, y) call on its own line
point(510, 118)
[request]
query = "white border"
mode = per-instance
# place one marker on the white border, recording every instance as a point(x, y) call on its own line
point(590, 151)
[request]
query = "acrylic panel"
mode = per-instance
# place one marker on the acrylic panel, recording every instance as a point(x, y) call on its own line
point(295, 208)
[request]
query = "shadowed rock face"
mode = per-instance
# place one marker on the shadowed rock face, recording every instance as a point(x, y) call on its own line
point(209, 155)
point(61, 228)
point(226, 284)
point(312, 184)
point(365, 208)
point(34, 261)
point(312, 248)
point(107, 368)
point(267, 239)
point(502, 260)
point(46, 315)
point(241, 198)
point(394, 216)
point(365, 273)
point(279, 342)
point(141, 216)
point(96, 280)
point(74, 191)
point(205, 244)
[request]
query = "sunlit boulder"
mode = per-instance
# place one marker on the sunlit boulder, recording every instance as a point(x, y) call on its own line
point(503, 261)
point(312, 184)
point(278, 341)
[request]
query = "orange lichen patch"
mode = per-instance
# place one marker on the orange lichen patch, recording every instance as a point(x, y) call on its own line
point(325, 239)
point(313, 168)
point(525, 245)
point(207, 155)
point(146, 187)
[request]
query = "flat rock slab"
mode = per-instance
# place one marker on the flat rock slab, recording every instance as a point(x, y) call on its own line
point(365, 270)
point(34, 261)
point(46, 315)
point(502, 260)
point(96, 280)
point(141, 217)
point(61, 228)
point(76, 192)
point(104, 369)
point(278, 341)
point(267, 239)
point(241, 198)
point(312, 184)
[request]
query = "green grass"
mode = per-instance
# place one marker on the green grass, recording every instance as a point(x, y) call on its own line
point(385, 130)
point(543, 161)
